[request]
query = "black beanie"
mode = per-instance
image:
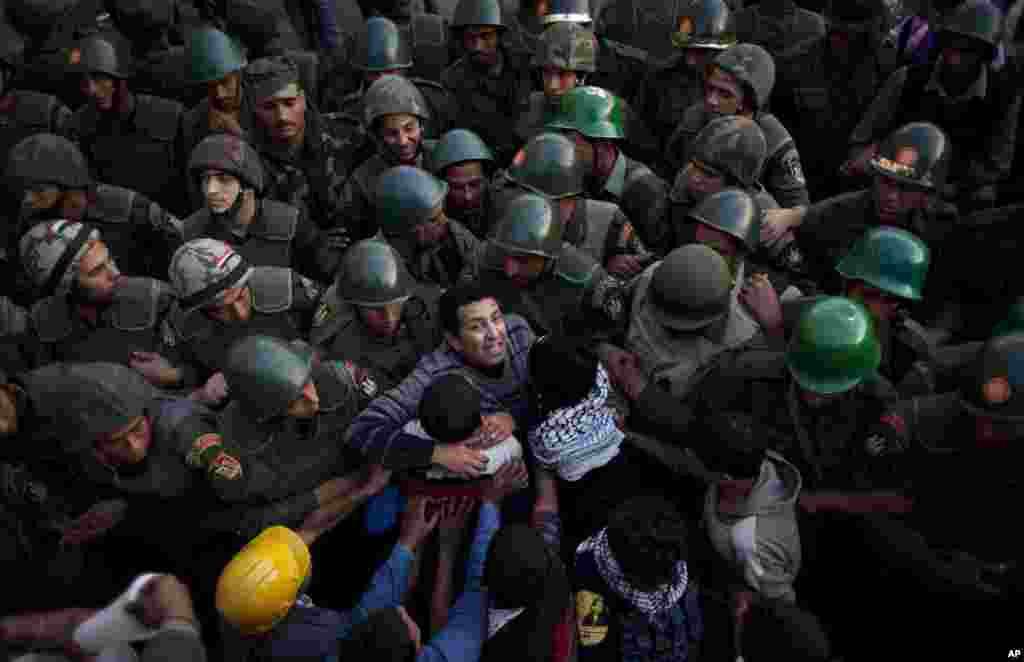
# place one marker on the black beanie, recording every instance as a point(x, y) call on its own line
point(736, 445)
point(450, 409)
point(562, 374)
point(383, 637)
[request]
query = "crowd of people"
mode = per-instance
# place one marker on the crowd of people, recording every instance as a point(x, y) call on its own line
point(539, 331)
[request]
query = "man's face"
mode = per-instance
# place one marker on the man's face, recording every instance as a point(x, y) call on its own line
point(220, 189)
point(482, 340)
point(702, 180)
point(524, 269)
point(283, 115)
point(558, 81)
point(234, 306)
point(433, 231)
point(466, 186)
point(98, 275)
point(402, 134)
point(128, 445)
point(225, 95)
point(893, 200)
point(307, 405)
point(382, 321)
point(481, 44)
point(723, 95)
point(99, 89)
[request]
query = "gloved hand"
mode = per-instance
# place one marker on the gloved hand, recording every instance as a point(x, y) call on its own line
point(337, 238)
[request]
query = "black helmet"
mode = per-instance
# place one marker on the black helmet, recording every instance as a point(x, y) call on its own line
point(381, 47)
point(690, 289)
point(549, 165)
point(46, 158)
point(140, 19)
point(735, 145)
point(916, 154)
point(485, 13)
point(734, 212)
point(530, 225)
point(372, 273)
point(104, 54)
point(978, 20)
point(231, 155)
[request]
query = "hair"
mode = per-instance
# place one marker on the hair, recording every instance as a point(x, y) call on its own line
point(647, 537)
point(450, 409)
point(454, 298)
point(735, 446)
point(561, 372)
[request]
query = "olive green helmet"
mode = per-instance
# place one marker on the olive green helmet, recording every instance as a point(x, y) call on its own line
point(530, 225)
point(229, 154)
point(834, 347)
point(392, 95)
point(994, 386)
point(704, 24)
point(549, 165)
point(734, 212)
point(735, 145)
point(978, 20)
point(483, 13)
point(373, 274)
point(265, 374)
point(381, 47)
point(690, 289)
point(753, 67)
point(458, 146)
point(567, 46)
point(916, 155)
point(212, 55)
point(104, 54)
point(893, 260)
point(592, 111)
point(406, 196)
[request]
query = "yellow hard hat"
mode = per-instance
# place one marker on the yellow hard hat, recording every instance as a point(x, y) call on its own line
point(259, 586)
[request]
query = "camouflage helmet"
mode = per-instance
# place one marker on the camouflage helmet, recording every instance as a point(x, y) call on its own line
point(916, 155)
point(704, 24)
point(690, 289)
point(753, 67)
point(265, 375)
point(406, 196)
point(381, 47)
point(567, 46)
point(391, 95)
point(142, 18)
point(458, 146)
point(893, 260)
point(530, 225)
point(592, 111)
point(51, 253)
point(734, 212)
point(483, 13)
point(978, 20)
point(855, 16)
point(12, 47)
point(228, 154)
point(549, 165)
point(203, 269)
point(834, 347)
point(212, 55)
point(567, 11)
point(994, 385)
point(103, 54)
point(373, 274)
point(735, 145)
point(46, 158)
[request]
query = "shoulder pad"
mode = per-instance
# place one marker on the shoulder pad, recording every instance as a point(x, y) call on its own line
point(196, 225)
point(139, 302)
point(34, 109)
point(575, 266)
point(112, 204)
point(625, 50)
point(429, 84)
point(429, 29)
point(278, 221)
point(51, 319)
point(272, 289)
point(13, 318)
point(775, 134)
point(158, 117)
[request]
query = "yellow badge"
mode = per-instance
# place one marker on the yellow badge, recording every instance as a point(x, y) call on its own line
point(324, 313)
point(591, 618)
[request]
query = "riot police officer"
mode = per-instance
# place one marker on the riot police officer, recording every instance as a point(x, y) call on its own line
point(422, 27)
point(465, 162)
point(159, 65)
point(780, 26)
point(215, 61)
point(377, 316)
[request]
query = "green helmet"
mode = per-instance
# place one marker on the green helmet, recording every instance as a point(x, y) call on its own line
point(978, 20)
point(704, 24)
point(391, 95)
point(530, 225)
point(372, 273)
point(484, 13)
point(690, 289)
point(893, 260)
point(231, 155)
point(265, 375)
point(834, 347)
point(212, 55)
point(380, 47)
point(994, 386)
point(458, 146)
point(406, 196)
point(1014, 320)
point(568, 11)
point(735, 145)
point(593, 111)
point(549, 165)
point(104, 54)
point(567, 46)
point(916, 154)
point(753, 67)
point(734, 212)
